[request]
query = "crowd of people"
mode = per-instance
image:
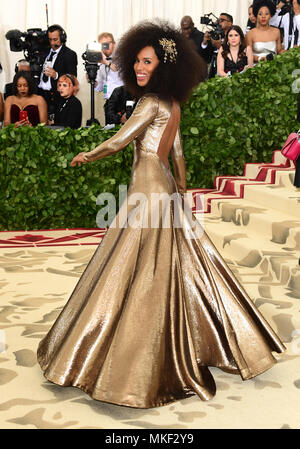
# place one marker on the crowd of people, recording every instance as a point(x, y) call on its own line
point(233, 51)
point(269, 31)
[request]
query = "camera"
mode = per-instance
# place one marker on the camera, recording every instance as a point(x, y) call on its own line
point(92, 57)
point(217, 32)
point(287, 8)
point(129, 108)
point(35, 45)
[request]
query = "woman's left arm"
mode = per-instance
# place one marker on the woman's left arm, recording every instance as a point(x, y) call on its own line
point(220, 63)
point(142, 116)
point(279, 48)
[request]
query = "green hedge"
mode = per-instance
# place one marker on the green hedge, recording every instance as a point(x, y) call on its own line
point(226, 123)
point(243, 118)
point(40, 189)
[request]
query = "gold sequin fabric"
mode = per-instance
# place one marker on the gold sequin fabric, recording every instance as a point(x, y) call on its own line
point(157, 305)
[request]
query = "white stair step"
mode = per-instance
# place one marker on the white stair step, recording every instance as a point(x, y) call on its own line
point(255, 219)
point(245, 249)
point(283, 199)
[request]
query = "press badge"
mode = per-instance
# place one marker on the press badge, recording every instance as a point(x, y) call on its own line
point(105, 89)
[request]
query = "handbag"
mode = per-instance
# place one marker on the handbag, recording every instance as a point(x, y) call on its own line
point(291, 148)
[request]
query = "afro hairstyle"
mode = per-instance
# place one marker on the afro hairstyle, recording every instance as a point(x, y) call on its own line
point(260, 3)
point(169, 79)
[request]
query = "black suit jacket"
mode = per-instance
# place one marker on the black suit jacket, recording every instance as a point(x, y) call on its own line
point(66, 62)
point(197, 37)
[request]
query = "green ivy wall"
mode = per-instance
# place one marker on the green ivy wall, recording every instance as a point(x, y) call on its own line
point(226, 123)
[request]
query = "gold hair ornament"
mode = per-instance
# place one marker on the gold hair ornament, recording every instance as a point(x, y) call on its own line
point(169, 47)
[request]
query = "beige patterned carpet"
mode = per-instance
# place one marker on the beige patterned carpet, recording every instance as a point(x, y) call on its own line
point(260, 239)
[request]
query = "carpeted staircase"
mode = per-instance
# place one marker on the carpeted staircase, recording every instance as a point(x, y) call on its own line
point(254, 221)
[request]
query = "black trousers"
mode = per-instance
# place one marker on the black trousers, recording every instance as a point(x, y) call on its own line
point(106, 113)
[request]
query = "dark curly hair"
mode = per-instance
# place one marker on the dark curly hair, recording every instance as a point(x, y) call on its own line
point(169, 79)
point(260, 3)
point(28, 78)
point(242, 47)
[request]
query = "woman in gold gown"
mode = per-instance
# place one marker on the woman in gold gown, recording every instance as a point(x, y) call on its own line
point(156, 305)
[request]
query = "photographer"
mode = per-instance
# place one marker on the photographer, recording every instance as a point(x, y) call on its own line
point(107, 77)
point(287, 18)
point(203, 45)
point(224, 23)
point(60, 60)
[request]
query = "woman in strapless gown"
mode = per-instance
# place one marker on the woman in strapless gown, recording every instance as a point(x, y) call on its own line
point(24, 107)
point(264, 39)
point(156, 305)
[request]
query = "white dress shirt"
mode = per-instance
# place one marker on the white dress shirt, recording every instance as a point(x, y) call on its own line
point(284, 22)
point(47, 85)
point(107, 81)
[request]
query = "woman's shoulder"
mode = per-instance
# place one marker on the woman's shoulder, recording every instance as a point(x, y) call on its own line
point(275, 31)
point(148, 99)
point(148, 103)
point(10, 99)
point(75, 99)
point(251, 33)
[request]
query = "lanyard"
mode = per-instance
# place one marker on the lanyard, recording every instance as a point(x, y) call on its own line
point(64, 105)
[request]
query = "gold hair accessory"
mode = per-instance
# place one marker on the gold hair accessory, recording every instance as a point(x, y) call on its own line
point(169, 47)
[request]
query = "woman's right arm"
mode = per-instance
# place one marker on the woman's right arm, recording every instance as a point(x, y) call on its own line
point(7, 107)
point(142, 116)
point(220, 63)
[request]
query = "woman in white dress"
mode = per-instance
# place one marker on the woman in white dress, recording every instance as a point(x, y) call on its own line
point(264, 39)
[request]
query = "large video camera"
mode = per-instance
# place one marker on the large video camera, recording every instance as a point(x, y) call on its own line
point(35, 45)
point(217, 31)
point(92, 57)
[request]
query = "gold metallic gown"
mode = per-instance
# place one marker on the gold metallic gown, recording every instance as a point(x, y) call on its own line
point(156, 305)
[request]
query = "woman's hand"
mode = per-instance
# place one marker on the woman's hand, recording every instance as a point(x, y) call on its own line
point(79, 159)
point(23, 122)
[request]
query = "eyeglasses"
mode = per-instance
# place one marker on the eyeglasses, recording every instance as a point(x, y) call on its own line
point(224, 20)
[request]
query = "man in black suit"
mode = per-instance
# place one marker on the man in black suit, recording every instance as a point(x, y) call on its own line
point(189, 30)
point(60, 60)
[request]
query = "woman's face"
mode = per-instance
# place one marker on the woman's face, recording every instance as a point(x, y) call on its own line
point(22, 87)
point(65, 88)
point(145, 64)
point(263, 16)
point(234, 39)
point(251, 15)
